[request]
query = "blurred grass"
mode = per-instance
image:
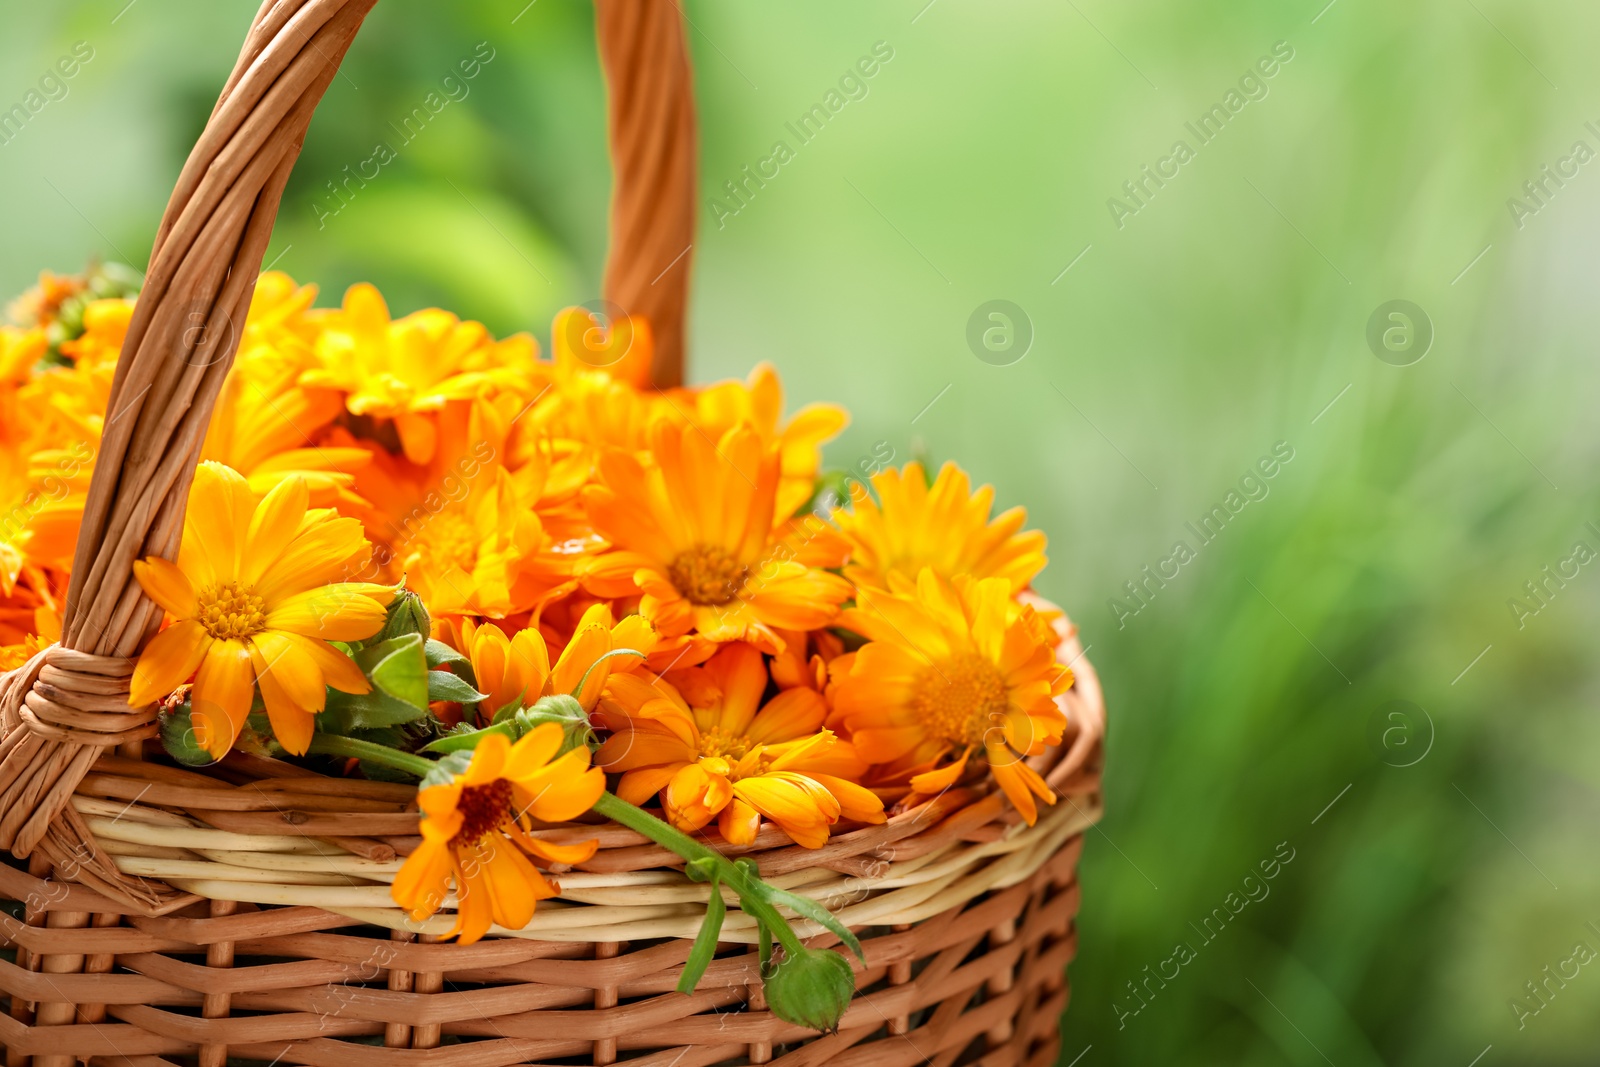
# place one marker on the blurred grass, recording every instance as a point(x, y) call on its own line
point(1220, 319)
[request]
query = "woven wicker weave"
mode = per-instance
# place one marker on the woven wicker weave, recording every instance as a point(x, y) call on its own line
point(244, 913)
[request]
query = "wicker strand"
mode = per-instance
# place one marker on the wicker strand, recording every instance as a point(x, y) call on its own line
point(215, 1005)
point(398, 1035)
point(653, 151)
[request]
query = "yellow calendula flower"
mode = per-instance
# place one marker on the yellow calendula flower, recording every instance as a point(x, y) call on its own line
point(716, 752)
point(405, 370)
point(950, 669)
point(266, 425)
point(20, 352)
point(696, 532)
point(257, 593)
point(474, 831)
point(281, 317)
point(758, 402)
point(944, 526)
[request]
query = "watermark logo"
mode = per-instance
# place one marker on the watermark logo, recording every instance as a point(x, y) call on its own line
point(595, 338)
point(1399, 333)
point(1400, 733)
point(999, 333)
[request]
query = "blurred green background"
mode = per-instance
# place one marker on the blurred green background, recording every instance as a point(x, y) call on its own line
point(1443, 846)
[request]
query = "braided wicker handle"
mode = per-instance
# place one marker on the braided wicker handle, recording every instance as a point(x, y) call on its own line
point(60, 711)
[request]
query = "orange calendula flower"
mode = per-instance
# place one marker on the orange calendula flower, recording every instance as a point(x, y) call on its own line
point(409, 368)
point(945, 527)
point(518, 669)
point(758, 402)
point(255, 597)
point(950, 669)
point(472, 535)
point(697, 534)
point(715, 752)
point(475, 831)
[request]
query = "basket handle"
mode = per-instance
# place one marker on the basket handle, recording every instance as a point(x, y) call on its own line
point(654, 152)
point(62, 709)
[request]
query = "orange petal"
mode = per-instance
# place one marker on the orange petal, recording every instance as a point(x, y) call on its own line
point(932, 783)
point(168, 586)
point(168, 660)
point(223, 689)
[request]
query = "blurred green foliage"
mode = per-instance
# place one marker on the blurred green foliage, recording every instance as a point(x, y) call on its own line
point(1249, 697)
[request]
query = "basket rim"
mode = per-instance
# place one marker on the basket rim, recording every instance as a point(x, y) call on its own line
point(301, 839)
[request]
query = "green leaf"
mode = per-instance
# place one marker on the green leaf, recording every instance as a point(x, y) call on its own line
point(705, 942)
point(810, 909)
point(399, 668)
point(442, 685)
point(348, 713)
point(440, 654)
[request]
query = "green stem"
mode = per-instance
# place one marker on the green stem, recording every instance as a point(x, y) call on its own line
point(334, 745)
point(670, 837)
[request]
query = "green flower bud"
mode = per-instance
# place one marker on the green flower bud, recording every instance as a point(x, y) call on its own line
point(811, 988)
point(176, 719)
point(407, 615)
point(565, 712)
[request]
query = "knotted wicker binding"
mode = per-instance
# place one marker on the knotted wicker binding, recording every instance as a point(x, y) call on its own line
point(244, 913)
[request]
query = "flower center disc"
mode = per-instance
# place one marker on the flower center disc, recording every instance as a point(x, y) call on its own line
point(961, 699)
point(707, 574)
point(231, 612)
point(723, 743)
point(451, 539)
point(483, 808)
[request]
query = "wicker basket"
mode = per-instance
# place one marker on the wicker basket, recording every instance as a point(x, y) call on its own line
point(244, 913)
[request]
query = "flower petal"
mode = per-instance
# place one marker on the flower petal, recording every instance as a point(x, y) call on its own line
point(273, 526)
point(163, 582)
point(332, 612)
point(223, 689)
point(168, 660)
